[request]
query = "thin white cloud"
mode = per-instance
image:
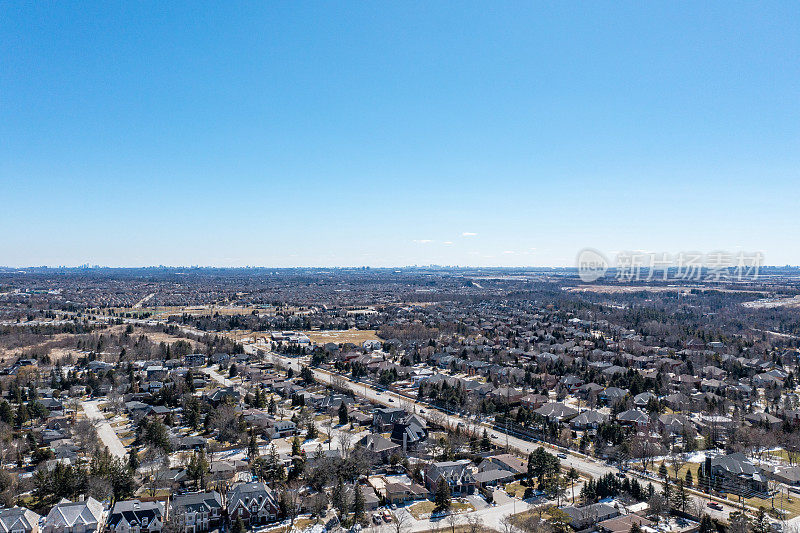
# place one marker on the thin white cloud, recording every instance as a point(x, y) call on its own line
point(469, 234)
point(447, 243)
point(509, 252)
point(423, 241)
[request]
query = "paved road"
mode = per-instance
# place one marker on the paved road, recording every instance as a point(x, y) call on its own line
point(216, 376)
point(584, 465)
point(104, 430)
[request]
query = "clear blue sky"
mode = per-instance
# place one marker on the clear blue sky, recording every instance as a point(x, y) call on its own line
point(388, 133)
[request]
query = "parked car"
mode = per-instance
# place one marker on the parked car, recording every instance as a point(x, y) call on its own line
point(715, 505)
point(562, 455)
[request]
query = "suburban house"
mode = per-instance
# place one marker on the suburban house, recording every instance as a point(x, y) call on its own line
point(633, 417)
point(556, 412)
point(19, 520)
point(506, 461)
point(457, 474)
point(736, 474)
point(198, 512)
point(194, 359)
point(384, 418)
point(582, 517)
point(588, 420)
point(76, 517)
point(399, 493)
point(378, 447)
point(133, 516)
point(409, 432)
point(254, 503)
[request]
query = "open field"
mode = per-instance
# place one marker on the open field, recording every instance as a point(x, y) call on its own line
point(771, 303)
point(623, 289)
point(356, 336)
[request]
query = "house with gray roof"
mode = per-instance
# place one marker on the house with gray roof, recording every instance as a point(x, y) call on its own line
point(588, 420)
point(76, 517)
point(19, 520)
point(457, 474)
point(134, 516)
point(255, 503)
point(197, 511)
point(556, 412)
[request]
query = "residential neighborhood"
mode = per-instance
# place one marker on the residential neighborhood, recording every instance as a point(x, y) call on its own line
point(522, 418)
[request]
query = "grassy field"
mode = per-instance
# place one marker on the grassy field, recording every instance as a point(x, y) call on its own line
point(515, 489)
point(780, 454)
point(299, 525)
point(418, 510)
point(791, 505)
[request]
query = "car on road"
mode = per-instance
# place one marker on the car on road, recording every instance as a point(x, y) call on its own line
point(422, 411)
point(562, 455)
point(715, 506)
point(494, 436)
point(391, 400)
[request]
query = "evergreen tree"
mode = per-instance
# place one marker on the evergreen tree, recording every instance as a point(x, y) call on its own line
point(442, 497)
point(343, 418)
point(133, 458)
point(706, 525)
point(358, 505)
point(760, 523)
point(339, 499)
point(252, 446)
point(296, 450)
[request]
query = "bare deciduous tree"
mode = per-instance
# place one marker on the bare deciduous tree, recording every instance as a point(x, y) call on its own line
point(452, 520)
point(401, 522)
point(474, 523)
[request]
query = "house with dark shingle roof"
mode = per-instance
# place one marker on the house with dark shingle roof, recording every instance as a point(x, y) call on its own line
point(378, 447)
point(198, 511)
point(134, 516)
point(556, 411)
point(255, 503)
point(457, 474)
point(588, 420)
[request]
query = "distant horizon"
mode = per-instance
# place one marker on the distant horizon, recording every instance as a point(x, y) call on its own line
point(334, 267)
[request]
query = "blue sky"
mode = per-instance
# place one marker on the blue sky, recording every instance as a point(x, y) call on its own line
point(396, 133)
